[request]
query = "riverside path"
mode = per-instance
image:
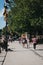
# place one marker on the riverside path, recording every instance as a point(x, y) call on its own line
point(17, 55)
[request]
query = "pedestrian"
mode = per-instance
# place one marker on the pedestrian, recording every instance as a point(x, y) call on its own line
point(24, 40)
point(19, 39)
point(34, 41)
point(28, 42)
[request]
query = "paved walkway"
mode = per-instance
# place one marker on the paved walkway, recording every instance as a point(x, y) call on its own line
point(17, 55)
point(2, 57)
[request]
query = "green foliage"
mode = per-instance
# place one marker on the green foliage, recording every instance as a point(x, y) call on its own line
point(25, 14)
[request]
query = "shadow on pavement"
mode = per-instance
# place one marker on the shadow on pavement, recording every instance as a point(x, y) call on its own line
point(39, 49)
point(9, 50)
point(3, 59)
point(21, 50)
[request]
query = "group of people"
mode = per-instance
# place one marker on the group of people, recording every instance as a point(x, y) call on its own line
point(26, 40)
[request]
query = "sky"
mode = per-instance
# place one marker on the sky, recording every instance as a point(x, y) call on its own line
point(2, 22)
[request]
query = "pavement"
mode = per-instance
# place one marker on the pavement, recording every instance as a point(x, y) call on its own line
point(39, 49)
point(17, 55)
point(2, 57)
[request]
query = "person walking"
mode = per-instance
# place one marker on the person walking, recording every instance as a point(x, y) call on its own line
point(34, 40)
point(24, 40)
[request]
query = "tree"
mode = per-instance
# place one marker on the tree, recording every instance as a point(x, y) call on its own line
point(25, 14)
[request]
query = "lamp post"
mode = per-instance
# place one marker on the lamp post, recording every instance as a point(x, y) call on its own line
point(6, 3)
point(5, 18)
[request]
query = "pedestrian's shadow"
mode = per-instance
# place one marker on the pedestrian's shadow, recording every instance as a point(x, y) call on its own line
point(39, 49)
point(9, 50)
